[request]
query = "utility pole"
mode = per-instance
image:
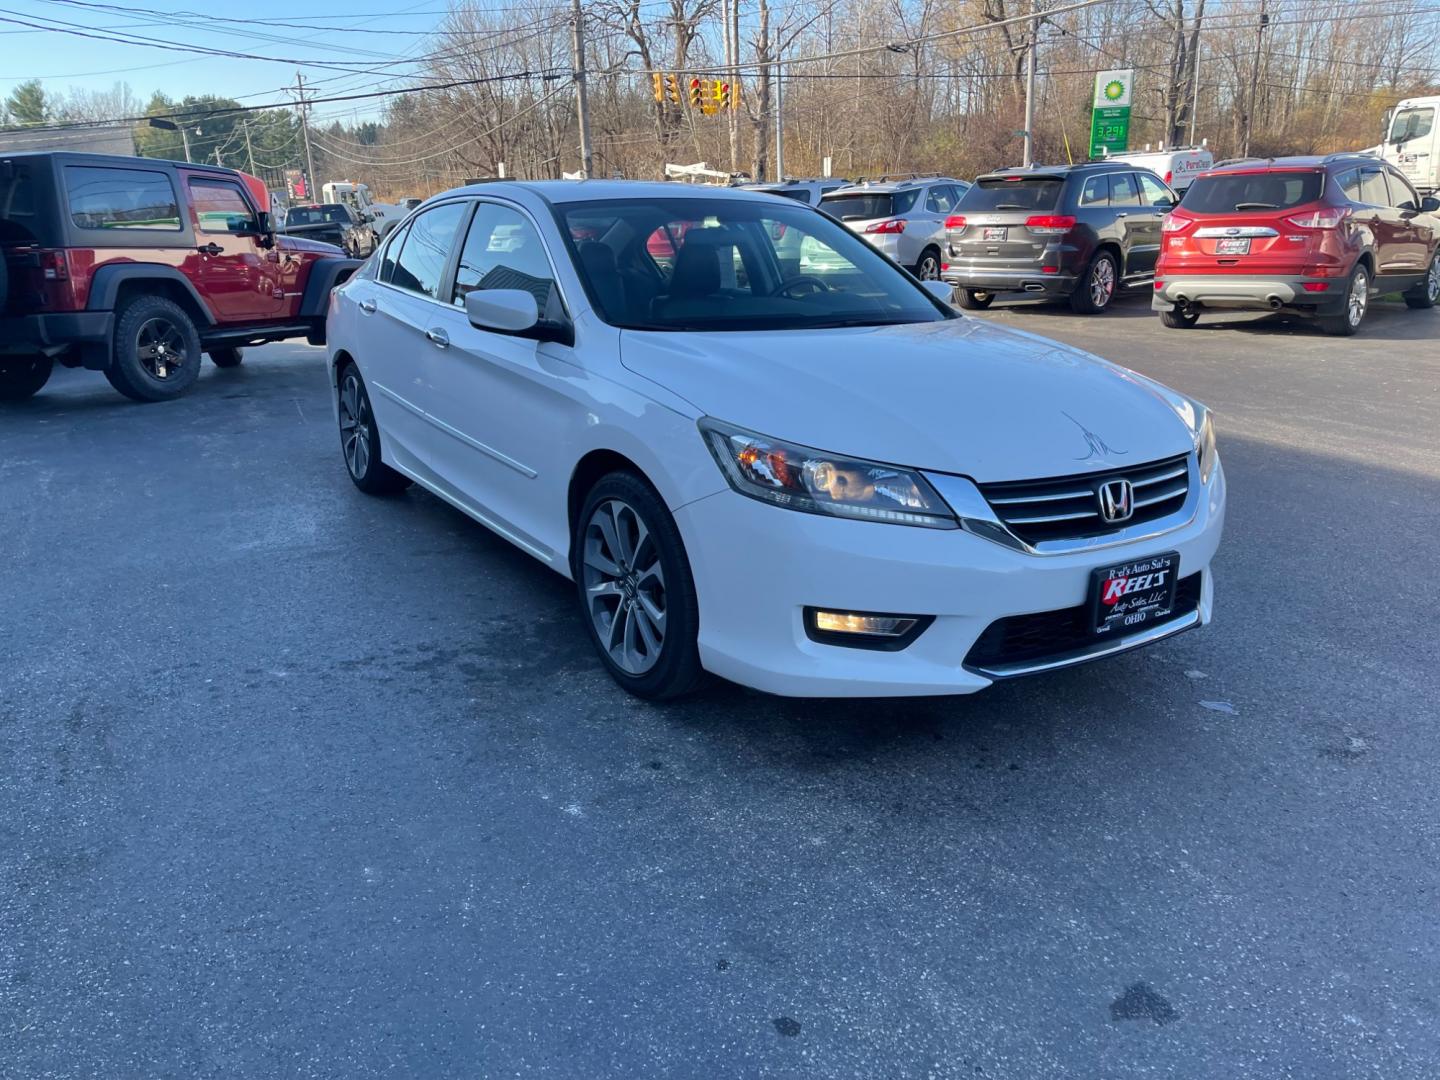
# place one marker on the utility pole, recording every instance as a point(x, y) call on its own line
point(732, 73)
point(310, 178)
point(249, 150)
point(1254, 80)
point(779, 119)
point(582, 105)
point(185, 141)
point(1030, 84)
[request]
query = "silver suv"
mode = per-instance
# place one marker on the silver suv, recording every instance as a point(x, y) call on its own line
point(904, 218)
point(805, 191)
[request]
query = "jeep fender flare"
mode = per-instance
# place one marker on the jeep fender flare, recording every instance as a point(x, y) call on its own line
point(106, 281)
point(325, 274)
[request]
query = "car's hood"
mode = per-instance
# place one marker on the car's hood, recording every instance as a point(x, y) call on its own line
point(961, 396)
point(287, 242)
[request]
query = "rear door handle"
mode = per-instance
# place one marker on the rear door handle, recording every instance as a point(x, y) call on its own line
point(367, 306)
point(439, 338)
point(211, 248)
point(1121, 213)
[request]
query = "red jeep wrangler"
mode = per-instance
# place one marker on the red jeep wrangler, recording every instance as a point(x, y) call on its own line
point(135, 266)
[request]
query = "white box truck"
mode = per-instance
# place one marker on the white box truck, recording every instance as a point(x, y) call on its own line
point(1412, 142)
point(1176, 165)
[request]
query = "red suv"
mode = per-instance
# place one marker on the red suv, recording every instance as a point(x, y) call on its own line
point(1313, 236)
point(135, 267)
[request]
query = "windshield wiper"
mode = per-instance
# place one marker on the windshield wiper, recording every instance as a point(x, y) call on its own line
point(1257, 206)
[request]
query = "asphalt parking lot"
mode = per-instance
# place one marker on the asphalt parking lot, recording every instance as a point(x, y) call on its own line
point(295, 782)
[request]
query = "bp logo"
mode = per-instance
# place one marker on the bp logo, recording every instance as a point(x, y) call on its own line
point(1114, 90)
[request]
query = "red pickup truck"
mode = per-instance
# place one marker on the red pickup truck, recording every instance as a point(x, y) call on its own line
point(136, 267)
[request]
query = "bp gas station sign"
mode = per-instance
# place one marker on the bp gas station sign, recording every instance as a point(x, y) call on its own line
point(1110, 113)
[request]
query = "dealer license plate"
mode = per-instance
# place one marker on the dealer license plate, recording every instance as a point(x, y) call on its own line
point(1233, 245)
point(1133, 595)
point(996, 232)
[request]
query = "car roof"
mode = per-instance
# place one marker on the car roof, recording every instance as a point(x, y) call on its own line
point(578, 191)
point(114, 161)
point(883, 186)
point(1295, 162)
point(1059, 172)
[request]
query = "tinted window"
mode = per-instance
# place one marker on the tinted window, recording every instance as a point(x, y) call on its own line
point(318, 215)
point(387, 261)
point(1350, 184)
point(798, 194)
point(420, 265)
point(20, 198)
point(1229, 193)
point(1373, 191)
point(729, 264)
point(1096, 191)
point(1152, 192)
point(864, 205)
point(1123, 191)
point(502, 250)
point(121, 199)
point(1412, 124)
point(1402, 195)
point(220, 208)
point(1018, 193)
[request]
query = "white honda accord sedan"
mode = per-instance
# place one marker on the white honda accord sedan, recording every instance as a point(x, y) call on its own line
point(760, 449)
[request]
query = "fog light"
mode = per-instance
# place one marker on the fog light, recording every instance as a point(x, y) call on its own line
point(864, 629)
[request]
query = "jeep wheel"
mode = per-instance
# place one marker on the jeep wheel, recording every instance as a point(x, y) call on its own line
point(21, 377)
point(227, 357)
point(1096, 287)
point(974, 299)
point(157, 351)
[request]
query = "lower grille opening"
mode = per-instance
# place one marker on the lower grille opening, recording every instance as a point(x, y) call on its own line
point(1029, 638)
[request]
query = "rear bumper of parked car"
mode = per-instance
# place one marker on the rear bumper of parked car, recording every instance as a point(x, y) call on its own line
point(55, 332)
point(1033, 281)
point(757, 568)
point(1270, 293)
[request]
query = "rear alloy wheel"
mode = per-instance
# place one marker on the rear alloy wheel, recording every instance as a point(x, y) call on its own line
point(1096, 287)
point(1179, 318)
point(22, 377)
point(157, 350)
point(226, 358)
point(928, 268)
point(360, 439)
point(974, 299)
point(1357, 302)
point(635, 588)
point(1427, 293)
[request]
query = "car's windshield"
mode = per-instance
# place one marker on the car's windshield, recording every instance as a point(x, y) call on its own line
point(317, 215)
point(1012, 193)
point(1227, 193)
point(864, 205)
point(1411, 124)
point(733, 264)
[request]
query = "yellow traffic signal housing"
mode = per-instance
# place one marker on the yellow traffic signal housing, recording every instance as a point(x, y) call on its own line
point(672, 88)
point(695, 95)
point(722, 94)
point(659, 81)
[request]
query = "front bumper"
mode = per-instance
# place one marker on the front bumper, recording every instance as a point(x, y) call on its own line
point(1248, 293)
point(757, 567)
point(54, 333)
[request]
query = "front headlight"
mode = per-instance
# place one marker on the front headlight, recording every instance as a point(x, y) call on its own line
point(1205, 446)
point(799, 478)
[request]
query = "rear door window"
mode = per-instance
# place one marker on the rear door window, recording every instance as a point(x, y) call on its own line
point(1019, 193)
point(1123, 191)
point(1257, 192)
point(121, 199)
point(420, 266)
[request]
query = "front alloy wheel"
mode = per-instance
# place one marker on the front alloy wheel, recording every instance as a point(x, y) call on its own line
point(624, 586)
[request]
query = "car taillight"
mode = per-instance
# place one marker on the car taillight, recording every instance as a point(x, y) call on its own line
point(54, 266)
point(894, 225)
point(1175, 223)
point(955, 221)
point(1050, 223)
point(1327, 217)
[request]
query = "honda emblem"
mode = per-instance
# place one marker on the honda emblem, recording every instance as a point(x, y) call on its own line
point(1117, 501)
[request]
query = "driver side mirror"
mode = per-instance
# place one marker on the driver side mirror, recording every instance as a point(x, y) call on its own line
point(264, 229)
point(515, 312)
point(1430, 205)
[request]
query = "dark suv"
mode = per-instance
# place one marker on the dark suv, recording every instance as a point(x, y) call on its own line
point(135, 267)
point(332, 223)
point(1076, 232)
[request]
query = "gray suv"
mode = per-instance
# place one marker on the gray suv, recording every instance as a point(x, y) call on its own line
point(805, 191)
point(904, 218)
point(1069, 232)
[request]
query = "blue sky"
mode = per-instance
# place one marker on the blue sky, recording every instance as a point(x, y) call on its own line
point(389, 32)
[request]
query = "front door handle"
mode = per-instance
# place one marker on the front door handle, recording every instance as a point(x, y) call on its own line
point(438, 338)
point(1121, 213)
point(367, 306)
point(211, 248)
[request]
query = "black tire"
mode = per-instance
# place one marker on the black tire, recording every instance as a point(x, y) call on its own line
point(1089, 298)
point(360, 438)
point(974, 299)
point(22, 377)
point(674, 666)
point(928, 266)
point(1177, 318)
point(1345, 324)
point(227, 357)
point(157, 350)
point(1422, 296)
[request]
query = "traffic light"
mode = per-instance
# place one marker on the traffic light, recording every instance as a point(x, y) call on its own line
point(722, 95)
point(695, 96)
point(672, 88)
point(659, 81)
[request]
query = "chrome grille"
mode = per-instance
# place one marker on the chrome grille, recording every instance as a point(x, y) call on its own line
point(1068, 507)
